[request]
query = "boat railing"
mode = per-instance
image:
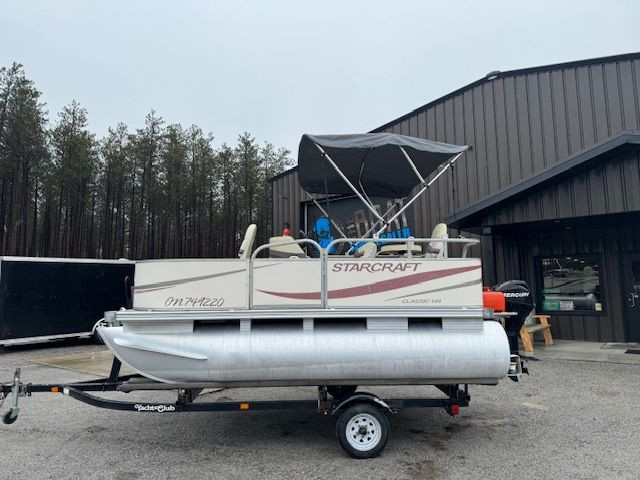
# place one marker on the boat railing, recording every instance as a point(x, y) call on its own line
point(324, 255)
point(409, 241)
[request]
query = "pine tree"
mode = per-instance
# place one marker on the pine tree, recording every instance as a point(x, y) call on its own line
point(23, 161)
point(146, 147)
point(72, 184)
point(114, 183)
point(173, 184)
point(273, 161)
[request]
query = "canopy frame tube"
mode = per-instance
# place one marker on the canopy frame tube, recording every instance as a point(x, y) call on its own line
point(422, 181)
point(346, 180)
point(425, 184)
point(420, 192)
point(413, 165)
point(324, 212)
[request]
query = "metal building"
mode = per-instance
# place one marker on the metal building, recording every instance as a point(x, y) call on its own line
point(551, 183)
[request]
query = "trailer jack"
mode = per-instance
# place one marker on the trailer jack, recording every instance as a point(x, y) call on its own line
point(516, 368)
point(17, 390)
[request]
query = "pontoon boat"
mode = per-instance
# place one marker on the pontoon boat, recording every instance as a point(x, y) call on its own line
point(414, 316)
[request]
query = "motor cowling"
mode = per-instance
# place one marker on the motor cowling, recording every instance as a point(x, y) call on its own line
point(518, 300)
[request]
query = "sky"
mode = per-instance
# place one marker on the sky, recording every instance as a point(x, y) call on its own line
point(278, 69)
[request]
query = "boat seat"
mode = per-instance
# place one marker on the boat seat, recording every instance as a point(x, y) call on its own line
point(399, 249)
point(434, 249)
point(285, 251)
point(246, 247)
point(368, 250)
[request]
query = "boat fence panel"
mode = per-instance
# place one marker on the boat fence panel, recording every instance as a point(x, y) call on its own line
point(287, 282)
point(328, 282)
point(406, 282)
point(191, 284)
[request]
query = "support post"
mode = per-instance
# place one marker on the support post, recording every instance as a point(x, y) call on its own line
point(413, 165)
point(115, 370)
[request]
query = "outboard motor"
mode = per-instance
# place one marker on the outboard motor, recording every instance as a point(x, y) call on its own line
point(517, 299)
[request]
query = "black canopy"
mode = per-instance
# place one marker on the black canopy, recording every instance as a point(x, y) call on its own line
point(371, 161)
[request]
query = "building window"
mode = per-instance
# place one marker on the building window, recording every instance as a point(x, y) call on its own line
point(570, 283)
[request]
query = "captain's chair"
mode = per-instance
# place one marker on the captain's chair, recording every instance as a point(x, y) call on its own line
point(246, 247)
point(431, 250)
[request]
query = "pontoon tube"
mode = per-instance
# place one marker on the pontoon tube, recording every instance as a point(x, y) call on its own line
point(333, 354)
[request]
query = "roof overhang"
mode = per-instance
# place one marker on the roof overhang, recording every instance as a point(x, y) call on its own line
point(473, 214)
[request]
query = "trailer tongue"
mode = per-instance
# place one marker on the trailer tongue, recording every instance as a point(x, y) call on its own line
point(390, 312)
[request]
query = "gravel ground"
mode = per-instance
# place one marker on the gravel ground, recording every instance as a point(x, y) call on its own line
point(568, 420)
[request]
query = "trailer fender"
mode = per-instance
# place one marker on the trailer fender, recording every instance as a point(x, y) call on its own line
point(361, 397)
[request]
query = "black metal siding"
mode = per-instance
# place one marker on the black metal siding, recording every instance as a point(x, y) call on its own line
point(612, 186)
point(516, 258)
point(286, 197)
point(520, 124)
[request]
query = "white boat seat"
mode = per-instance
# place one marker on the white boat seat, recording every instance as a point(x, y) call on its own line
point(285, 251)
point(434, 249)
point(399, 249)
point(246, 247)
point(368, 250)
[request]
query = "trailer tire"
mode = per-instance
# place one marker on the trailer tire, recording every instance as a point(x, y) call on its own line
point(341, 391)
point(363, 430)
point(8, 419)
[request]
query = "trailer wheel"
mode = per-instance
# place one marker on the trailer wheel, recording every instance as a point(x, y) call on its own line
point(363, 430)
point(341, 391)
point(8, 419)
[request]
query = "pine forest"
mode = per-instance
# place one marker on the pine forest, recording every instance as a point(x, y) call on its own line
point(161, 191)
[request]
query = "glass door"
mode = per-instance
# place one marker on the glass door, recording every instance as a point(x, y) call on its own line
point(631, 291)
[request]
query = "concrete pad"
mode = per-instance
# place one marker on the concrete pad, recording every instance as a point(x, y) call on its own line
point(621, 346)
point(584, 351)
point(94, 363)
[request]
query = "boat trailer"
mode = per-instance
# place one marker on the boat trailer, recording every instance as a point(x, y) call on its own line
point(361, 413)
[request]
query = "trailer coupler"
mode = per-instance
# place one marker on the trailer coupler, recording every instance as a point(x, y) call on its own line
point(17, 390)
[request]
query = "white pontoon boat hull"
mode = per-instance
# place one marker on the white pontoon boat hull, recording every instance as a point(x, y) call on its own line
point(221, 354)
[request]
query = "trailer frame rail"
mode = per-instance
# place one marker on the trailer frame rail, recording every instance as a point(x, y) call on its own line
point(83, 392)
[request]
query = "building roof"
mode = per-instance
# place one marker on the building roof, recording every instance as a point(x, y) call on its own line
point(472, 214)
point(496, 74)
point(283, 174)
point(493, 76)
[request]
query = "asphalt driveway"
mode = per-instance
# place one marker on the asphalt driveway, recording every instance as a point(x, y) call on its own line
point(568, 420)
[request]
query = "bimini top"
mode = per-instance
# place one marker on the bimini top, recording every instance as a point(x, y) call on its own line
point(373, 162)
